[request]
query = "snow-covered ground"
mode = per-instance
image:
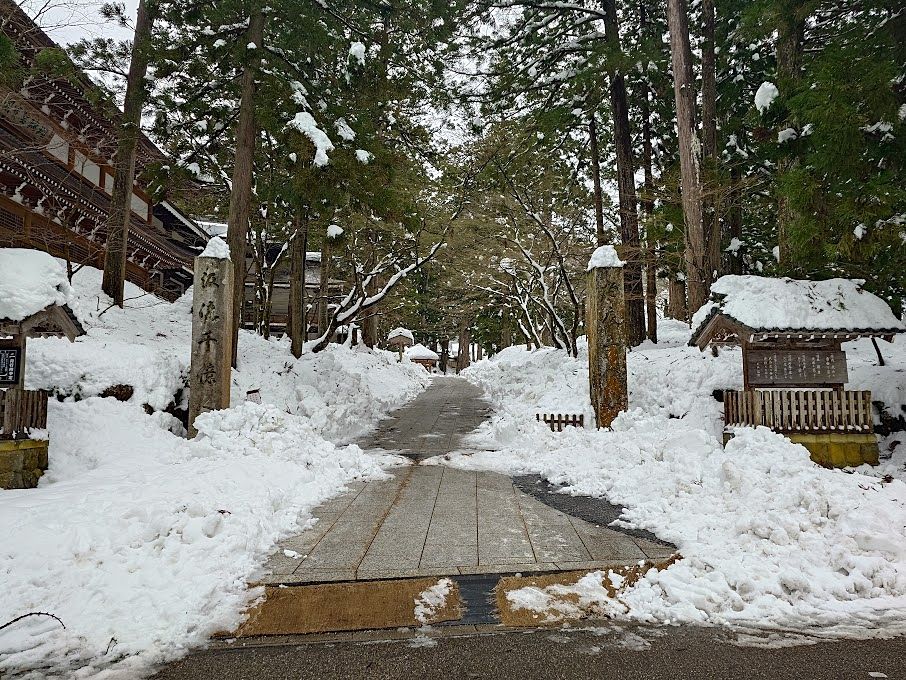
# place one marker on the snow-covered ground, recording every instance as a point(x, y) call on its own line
point(141, 541)
point(767, 538)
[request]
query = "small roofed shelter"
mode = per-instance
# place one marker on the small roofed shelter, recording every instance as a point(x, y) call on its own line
point(794, 367)
point(420, 354)
point(399, 339)
point(35, 299)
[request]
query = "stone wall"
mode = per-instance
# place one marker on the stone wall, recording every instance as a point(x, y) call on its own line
point(22, 462)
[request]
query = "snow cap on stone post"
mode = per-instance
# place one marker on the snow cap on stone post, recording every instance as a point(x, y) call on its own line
point(604, 256)
point(217, 248)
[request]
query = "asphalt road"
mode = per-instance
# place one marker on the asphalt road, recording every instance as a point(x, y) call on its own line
point(604, 653)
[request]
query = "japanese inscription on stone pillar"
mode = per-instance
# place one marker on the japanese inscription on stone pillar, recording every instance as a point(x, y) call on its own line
point(212, 322)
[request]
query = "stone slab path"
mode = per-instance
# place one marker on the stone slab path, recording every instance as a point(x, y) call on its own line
point(430, 520)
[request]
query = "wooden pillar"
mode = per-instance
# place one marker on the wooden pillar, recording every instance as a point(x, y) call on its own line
point(605, 325)
point(212, 340)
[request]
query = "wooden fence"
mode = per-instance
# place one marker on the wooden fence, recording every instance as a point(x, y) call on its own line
point(559, 421)
point(800, 410)
point(22, 411)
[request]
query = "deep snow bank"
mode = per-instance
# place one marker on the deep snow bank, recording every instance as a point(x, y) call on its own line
point(341, 391)
point(767, 538)
point(142, 542)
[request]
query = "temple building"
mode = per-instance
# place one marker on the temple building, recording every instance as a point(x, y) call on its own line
point(57, 141)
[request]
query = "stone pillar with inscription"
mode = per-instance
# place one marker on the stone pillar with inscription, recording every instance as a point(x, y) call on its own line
point(212, 339)
point(605, 327)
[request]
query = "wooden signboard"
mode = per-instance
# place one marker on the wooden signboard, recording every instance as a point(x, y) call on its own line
point(10, 363)
point(794, 367)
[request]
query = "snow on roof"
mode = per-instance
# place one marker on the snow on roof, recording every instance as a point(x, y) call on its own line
point(604, 256)
point(30, 280)
point(421, 352)
point(401, 333)
point(763, 303)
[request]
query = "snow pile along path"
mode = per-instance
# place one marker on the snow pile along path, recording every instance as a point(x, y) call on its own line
point(767, 538)
point(142, 542)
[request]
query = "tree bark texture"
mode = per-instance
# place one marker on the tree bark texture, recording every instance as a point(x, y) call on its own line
point(689, 153)
point(465, 341)
point(297, 287)
point(114, 279)
point(648, 198)
point(710, 214)
point(243, 171)
point(605, 325)
point(790, 36)
point(370, 322)
point(324, 287)
point(676, 300)
point(596, 178)
point(629, 217)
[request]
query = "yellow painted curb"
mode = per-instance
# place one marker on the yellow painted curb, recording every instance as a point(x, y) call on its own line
point(334, 607)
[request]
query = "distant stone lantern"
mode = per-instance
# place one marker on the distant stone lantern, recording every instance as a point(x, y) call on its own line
point(34, 302)
point(400, 339)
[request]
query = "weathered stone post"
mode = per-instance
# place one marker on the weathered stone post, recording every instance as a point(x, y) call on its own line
point(605, 327)
point(212, 338)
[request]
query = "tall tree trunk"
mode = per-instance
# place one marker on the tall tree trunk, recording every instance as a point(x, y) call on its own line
point(648, 195)
point(596, 177)
point(370, 322)
point(465, 341)
point(734, 222)
point(629, 217)
point(676, 301)
point(124, 165)
point(689, 153)
point(297, 287)
point(324, 288)
point(243, 171)
point(790, 35)
point(506, 332)
point(710, 216)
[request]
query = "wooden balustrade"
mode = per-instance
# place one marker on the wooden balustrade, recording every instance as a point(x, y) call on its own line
point(22, 411)
point(800, 410)
point(557, 422)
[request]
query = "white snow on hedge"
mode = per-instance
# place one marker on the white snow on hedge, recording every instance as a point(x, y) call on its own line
point(305, 123)
point(30, 280)
point(604, 256)
point(137, 534)
point(767, 538)
point(771, 303)
point(334, 231)
point(765, 96)
point(217, 248)
point(421, 352)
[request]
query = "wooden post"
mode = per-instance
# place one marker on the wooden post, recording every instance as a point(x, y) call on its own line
point(212, 338)
point(605, 325)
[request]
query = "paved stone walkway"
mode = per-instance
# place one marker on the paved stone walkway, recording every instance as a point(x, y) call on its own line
point(432, 520)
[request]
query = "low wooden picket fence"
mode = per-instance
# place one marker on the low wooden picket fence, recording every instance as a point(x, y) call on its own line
point(560, 420)
point(22, 411)
point(800, 410)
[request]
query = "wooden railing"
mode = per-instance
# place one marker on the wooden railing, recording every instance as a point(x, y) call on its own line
point(559, 421)
point(800, 410)
point(22, 411)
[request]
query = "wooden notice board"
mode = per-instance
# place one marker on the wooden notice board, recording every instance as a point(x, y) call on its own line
point(10, 363)
point(794, 367)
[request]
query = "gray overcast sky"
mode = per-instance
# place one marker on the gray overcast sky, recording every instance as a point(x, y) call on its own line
point(67, 21)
